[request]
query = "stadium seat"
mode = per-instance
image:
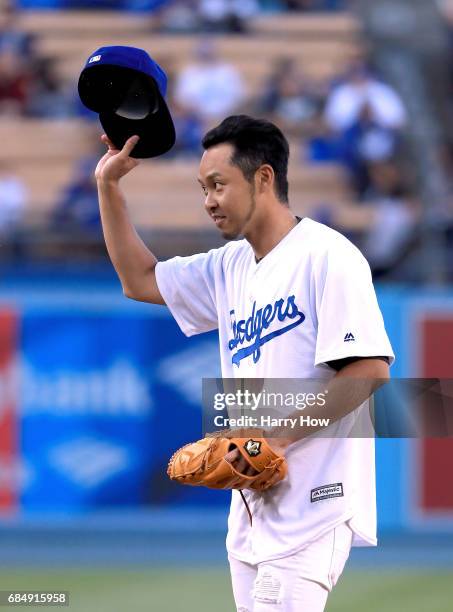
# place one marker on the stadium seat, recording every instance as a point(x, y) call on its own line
point(165, 194)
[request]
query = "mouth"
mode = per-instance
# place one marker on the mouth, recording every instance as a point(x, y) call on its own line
point(218, 219)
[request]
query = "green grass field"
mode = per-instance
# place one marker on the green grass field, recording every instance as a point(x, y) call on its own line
point(209, 590)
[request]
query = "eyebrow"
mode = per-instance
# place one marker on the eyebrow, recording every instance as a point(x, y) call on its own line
point(212, 175)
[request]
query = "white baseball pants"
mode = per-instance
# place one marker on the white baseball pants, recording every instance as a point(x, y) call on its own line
point(299, 583)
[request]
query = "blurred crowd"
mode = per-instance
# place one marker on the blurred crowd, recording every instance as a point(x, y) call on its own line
point(214, 11)
point(228, 15)
point(30, 84)
point(356, 121)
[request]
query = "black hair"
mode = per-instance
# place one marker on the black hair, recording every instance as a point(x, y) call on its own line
point(256, 142)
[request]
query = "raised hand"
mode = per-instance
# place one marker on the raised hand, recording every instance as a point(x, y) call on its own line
point(116, 163)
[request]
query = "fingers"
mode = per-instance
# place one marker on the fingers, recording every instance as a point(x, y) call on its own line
point(232, 456)
point(239, 463)
point(106, 140)
point(129, 145)
point(244, 468)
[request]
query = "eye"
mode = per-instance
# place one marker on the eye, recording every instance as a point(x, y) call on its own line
point(204, 189)
point(218, 185)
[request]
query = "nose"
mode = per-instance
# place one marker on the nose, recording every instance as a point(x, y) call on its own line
point(210, 203)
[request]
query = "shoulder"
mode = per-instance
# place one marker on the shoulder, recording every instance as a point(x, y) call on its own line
point(232, 252)
point(326, 244)
point(324, 238)
point(380, 87)
point(225, 255)
point(212, 261)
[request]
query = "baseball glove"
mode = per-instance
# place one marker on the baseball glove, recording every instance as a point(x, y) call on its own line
point(203, 463)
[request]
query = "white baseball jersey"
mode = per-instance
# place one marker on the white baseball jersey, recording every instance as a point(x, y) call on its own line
point(309, 301)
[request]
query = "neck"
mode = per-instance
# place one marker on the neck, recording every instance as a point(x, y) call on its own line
point(270, 229)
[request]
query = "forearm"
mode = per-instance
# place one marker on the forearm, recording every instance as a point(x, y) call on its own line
point(343, 394)
point(132, 260)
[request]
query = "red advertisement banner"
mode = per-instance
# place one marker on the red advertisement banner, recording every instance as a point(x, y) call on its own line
point(437, 454)
point(8, 410)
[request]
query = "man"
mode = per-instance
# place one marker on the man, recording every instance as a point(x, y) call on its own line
point(209, 87)
point(319, 318)
point(362, 89)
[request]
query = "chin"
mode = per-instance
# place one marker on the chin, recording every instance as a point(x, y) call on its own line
point(230, 235)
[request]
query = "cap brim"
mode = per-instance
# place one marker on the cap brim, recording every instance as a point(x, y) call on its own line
point(156, 131)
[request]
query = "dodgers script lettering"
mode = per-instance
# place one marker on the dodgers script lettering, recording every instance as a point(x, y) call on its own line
point(251, 329)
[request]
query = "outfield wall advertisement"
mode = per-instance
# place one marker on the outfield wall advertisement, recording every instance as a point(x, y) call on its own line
point(9, 421)
point(92, 390)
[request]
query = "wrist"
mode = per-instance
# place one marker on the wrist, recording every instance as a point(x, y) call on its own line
point(279, 445)
point(107, 183)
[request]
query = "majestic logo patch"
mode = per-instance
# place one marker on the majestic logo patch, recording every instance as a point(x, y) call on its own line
point(95, 58)
point(253, 447)
point(327, 491)
point(349, 337)
point(251, 329)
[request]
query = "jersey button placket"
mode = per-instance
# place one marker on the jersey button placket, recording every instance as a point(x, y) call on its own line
point(255, 508)
point(254, 286)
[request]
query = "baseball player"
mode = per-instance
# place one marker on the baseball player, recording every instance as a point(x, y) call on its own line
point(291, 299)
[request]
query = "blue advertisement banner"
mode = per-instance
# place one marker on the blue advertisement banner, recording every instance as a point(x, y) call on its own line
point(86, 409)
point(105, 399)
point(108, 389)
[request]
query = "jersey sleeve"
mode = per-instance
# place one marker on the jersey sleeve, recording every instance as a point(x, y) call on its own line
point(187, 285)
point(349, 320)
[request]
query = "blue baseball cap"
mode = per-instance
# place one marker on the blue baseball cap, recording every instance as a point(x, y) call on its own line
point(127, 89)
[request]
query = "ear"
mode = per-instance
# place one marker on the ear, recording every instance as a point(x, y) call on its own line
point(265, 178)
